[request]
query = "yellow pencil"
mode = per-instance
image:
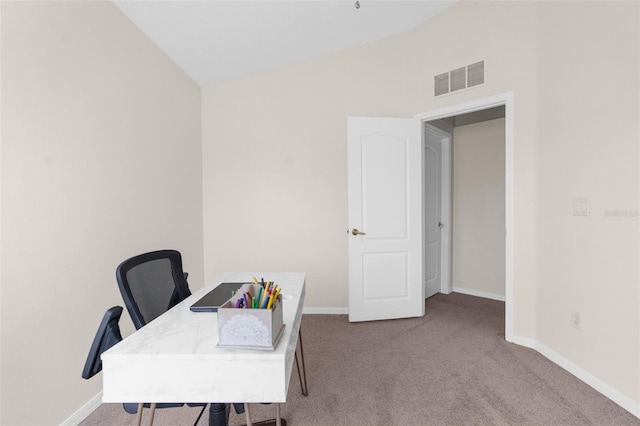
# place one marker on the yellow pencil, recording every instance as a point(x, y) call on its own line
point(270, 301)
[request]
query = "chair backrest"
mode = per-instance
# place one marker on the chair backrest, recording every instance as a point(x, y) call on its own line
point(151, 284)
point(108, 334)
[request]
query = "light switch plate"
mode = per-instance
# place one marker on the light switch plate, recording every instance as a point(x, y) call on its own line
point(581, 207)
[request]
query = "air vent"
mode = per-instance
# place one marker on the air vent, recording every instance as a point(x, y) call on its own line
point(475, 74)
point(459, 78)
point(441, 84)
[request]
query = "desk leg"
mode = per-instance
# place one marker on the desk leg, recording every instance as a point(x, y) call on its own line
point(139, 414)
point(247, 414)
point(303, 376)
point(153, 413)
point(278, 421)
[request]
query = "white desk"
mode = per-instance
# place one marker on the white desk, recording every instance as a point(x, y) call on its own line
point(174, 358)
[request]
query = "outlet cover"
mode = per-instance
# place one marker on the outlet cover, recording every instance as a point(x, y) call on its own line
point(575, 320)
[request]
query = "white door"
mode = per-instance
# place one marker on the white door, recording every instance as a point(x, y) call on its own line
point(385, 218)
point(432, 209)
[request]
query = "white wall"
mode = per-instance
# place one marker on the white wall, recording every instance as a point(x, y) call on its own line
point(275, 164)
point(479, 209)
point(100, 161)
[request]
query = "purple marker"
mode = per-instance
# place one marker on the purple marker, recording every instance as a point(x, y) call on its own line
point(245, 299)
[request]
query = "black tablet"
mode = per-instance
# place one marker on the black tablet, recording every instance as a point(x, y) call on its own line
point(211, 301)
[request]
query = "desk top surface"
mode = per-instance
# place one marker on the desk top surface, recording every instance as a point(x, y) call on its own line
point(180, 347)
point(181, 332)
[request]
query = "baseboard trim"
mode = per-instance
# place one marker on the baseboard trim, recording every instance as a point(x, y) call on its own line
point(622, 400)
point(476, 293)
point(84, 411)
point(330, 311)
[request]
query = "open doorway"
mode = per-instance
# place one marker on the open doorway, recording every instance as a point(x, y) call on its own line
point(475, 257)
point(469, 196)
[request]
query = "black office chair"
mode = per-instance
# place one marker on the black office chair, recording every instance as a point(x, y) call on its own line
point(108, 335)
point(151, 284)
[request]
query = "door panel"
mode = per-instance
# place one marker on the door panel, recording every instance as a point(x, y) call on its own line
point(380, 269)
point(385, 202)
point(384, 186)
point(432, 191)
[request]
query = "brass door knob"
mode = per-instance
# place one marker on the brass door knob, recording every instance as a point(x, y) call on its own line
point(355, 231)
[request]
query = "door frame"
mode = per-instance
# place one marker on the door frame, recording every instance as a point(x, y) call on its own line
point(446, 285)
point(506, 100)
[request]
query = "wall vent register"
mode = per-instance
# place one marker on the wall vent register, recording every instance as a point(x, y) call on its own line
point(459, 78)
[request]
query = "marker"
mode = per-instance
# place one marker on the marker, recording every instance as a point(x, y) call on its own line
point(259, 298)
point(245, 297)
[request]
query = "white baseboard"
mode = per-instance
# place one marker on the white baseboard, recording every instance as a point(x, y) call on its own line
point(622, 400)
point(331, 311)
point(476, 293)
point(84, 411)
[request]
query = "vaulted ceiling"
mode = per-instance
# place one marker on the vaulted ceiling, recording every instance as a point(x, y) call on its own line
point(214, 40)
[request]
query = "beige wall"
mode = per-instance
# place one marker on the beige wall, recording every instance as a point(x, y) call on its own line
point(479, 209)
point(275, 163)
point(588, 147)
point(274, 148)
point(101, 160)
point(98, 127)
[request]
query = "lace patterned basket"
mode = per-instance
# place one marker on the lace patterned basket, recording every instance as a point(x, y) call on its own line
point(249, 328)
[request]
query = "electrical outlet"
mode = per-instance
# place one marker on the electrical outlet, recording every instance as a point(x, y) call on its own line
point(575, 320)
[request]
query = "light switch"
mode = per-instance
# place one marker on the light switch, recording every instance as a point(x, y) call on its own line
point(581, 207)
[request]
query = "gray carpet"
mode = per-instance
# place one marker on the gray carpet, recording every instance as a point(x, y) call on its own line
point(451, 367)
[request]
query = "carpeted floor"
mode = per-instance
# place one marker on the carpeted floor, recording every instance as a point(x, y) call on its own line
point(450, 367)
